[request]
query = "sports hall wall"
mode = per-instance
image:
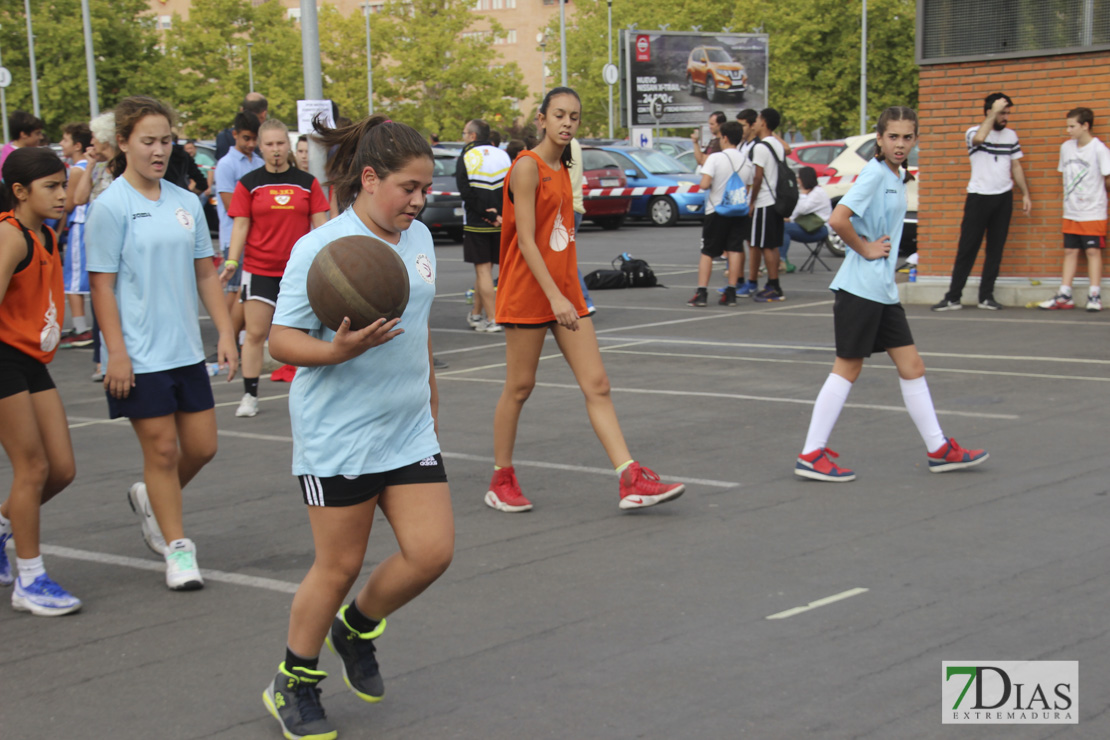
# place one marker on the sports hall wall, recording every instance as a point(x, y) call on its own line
point(1043, 89)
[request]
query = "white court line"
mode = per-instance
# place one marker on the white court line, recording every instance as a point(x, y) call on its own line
point(820, 602)
point(218, 576)
point(743, 397)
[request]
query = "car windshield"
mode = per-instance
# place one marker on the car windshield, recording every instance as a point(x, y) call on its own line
point(444, 166)
point(657, 163)
point(718, 55)
point(205, 157)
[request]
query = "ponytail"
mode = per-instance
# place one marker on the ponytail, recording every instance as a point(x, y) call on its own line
point(375, 142)
point(23, 166)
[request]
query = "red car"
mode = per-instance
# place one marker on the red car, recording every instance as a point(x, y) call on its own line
point(817, 154)
point(600, 170)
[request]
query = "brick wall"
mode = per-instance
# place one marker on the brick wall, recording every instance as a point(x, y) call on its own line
point(1044, 89)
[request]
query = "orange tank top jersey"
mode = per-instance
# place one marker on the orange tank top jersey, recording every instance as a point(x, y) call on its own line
point(33, 308)
point(519, 297)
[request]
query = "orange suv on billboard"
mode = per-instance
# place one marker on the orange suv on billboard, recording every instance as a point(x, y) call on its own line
point(712, 69)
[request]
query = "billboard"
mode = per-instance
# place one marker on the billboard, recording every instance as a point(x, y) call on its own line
point(676, 78)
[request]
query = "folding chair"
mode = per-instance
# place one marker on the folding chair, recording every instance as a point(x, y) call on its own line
point(815, 256)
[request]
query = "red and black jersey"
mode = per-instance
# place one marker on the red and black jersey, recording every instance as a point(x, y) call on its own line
point(280, 206)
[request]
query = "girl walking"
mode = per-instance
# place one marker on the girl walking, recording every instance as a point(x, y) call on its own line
point(149, 255)
point(352, 458)
point(866, 313)
point(538, 289)
point(33, 427)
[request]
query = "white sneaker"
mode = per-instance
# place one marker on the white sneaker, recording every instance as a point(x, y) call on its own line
point(248, 406)
point(140, 504)
point(475, 322)
point(1094, 302)
point(1059, 302)
point(491, 327)
point(182, 573)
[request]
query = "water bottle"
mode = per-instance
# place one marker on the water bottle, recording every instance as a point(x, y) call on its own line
point(913, 273)
point(214, 369)
point(626, 256)
point(470, 296)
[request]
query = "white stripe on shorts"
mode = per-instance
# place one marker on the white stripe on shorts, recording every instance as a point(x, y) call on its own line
point(313, 490)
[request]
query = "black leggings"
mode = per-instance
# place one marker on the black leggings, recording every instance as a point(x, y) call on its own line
point(989, 214)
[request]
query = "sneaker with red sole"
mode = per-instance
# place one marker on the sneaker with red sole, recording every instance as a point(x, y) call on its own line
point(951, 456)
point(818, 465)
point(504, 492)
point(641, 487)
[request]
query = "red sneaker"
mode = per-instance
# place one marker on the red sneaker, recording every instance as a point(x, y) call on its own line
point(951, 456)
point(641, 487)
point(504, 492)
point(818, 466)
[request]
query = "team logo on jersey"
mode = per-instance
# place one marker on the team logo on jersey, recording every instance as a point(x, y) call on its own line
point(424, 268)
point(560, 237)
point(282, 200)
point(51, 333)
point(184, 218)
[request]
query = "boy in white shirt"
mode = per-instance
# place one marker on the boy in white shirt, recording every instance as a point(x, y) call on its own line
point(722, 234)
point(1085, 165)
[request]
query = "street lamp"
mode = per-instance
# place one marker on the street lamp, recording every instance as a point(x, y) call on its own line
point(250, 68)
point(863, 73)
point(31, 54)
point(609, 46)
point(563, 39)
point(369, 71)
point(541, 39)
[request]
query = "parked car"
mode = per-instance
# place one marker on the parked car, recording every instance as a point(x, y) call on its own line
point(672, 145)
point(858, 151)
point(712, 69)
point(688, 160)
point(444, 213)
point(206, 161)
point(816, 154)
point(600, 170)
point(647, 168)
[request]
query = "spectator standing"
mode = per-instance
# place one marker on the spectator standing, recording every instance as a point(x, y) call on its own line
point(480, 177)
point(1085, 165)
point(767, 225)
point(302, 153)
point(25, 130)
point(182, 169)
point(76, 140)
point(255, 103)
point(721, 234)
point(240, 160)
point(995, 154)
point(716, 118)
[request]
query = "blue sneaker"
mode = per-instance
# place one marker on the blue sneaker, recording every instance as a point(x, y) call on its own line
point(769, 295)
point(748, 288)
point(5, 564)
point(44, 598)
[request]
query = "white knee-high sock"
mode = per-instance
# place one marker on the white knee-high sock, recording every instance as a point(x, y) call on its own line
point(919, 403)
point(826, 411)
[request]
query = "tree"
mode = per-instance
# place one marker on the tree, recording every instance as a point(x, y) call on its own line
point(343, 59)
point(436, 74)
point(128, 60)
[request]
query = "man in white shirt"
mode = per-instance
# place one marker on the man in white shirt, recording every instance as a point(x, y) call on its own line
point(995, 156)
point(721, 234)
point(767, 224)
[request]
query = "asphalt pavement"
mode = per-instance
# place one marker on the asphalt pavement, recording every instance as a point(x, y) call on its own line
point(578, 620)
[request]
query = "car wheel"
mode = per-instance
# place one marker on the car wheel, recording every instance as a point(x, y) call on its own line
point(836, 244)
point(690, 86)
point(610, 223)
point(711, 89)
point(663, 211)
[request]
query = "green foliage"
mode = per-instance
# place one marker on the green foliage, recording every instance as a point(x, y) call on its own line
point(128, 61)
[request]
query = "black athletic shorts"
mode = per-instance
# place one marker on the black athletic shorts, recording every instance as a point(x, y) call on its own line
point(1084, 241)
point(260, 288)
point(480, 247)
point(720, 234)
point(767, 228)
point(864, 326)
point(347, 490)
point(19, 373)
point(187, 389)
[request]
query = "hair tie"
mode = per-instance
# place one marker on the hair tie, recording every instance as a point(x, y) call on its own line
point(388, 120)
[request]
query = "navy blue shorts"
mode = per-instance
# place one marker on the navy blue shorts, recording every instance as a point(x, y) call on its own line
point(186, 389)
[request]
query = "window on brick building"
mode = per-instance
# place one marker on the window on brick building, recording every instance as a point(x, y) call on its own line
point(956, 30)
point(165, 22)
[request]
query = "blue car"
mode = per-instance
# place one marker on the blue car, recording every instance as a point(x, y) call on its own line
point(647, 168)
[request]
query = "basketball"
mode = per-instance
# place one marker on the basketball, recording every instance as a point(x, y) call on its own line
point(358, 277)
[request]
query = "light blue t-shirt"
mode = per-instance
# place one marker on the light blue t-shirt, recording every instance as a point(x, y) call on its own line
point(878, 202)
point(151, 245)
point(229, 171)
point(372, 413)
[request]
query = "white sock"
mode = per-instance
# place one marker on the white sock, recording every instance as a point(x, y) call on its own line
point(80, 325)
point(1093, 290)
point(29, 570)
point(826, 410)
point(919, 402)
point(1065, 290)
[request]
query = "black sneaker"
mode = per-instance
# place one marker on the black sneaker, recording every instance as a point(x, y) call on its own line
point(701, 298)
point(990, 304)
point(294, 699)
point(947, 305)
point(728, 298)
point(356, 650)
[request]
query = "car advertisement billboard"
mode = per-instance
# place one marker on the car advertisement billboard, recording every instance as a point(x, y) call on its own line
point(674, 78)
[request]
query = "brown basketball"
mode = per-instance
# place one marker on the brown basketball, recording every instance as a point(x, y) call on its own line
point(359, 277)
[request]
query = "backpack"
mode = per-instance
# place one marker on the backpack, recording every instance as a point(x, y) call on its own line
point(734, 202)
point(638, 273)
point(786, 189)
point(605, 280)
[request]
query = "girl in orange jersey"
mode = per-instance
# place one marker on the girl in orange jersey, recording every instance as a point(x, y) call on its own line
point(33, 427)
point(538, 289)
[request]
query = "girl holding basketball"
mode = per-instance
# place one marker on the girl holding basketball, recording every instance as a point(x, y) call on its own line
point(149, 256)
point(866, 313)
point(272, 207)
point(363, 407)
point(33, 427)
point(538, 289)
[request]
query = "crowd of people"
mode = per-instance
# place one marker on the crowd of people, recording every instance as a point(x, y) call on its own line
point(137, 243)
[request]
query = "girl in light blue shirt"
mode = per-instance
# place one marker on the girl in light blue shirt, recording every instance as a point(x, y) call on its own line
point(866, 312)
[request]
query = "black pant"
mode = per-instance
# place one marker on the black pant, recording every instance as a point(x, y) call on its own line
point(982, 213)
